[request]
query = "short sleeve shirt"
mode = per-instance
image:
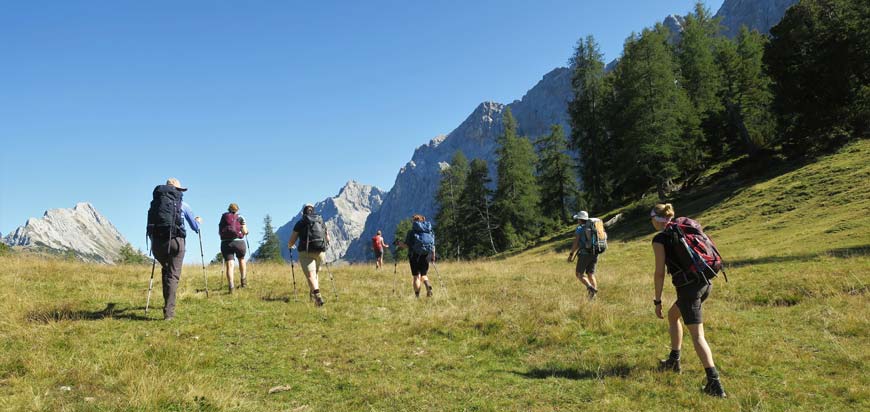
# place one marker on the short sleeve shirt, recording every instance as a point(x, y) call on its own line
point(663, 239)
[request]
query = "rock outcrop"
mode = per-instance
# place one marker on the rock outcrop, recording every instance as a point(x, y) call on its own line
point(760, 15)
point(344, 215)
point(80, 230)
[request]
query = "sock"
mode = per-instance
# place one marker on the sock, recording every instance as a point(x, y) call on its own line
point(417, 293)
point(675, 355)
point(712, 373)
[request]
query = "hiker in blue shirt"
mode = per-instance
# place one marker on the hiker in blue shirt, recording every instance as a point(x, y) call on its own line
point(587, 259)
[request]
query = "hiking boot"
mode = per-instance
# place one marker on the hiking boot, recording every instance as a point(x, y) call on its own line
point(670, 364)
point(318, 300)
point(429, 291)
point(714, 388)
point(232, 290)
point(591, 291)
point(244, 283)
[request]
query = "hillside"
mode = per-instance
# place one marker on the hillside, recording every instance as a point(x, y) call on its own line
point(789, 332)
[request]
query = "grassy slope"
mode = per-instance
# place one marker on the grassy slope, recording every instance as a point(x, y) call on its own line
point(790, 332)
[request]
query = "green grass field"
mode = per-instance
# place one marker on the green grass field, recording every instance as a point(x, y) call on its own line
point(790, 332)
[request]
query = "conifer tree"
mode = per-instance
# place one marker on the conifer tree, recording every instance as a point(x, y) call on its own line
point(516, 195)
point(819, 60)
point(589, 135)
point(475, 213)
point(449, 230)
point(556, 178)
point(746, 95)
point(655, 128)
point(270, 248)
point(402, 229)
point(700, 76)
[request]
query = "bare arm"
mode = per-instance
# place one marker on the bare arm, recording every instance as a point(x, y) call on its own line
point(292, 242)
point(244, 230)
point(574, 248)
point(659, 275)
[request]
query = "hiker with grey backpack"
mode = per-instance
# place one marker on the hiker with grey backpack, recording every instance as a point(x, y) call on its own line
point(590, 240)
point(420, 242)
point(691, 258)
point(310, 232)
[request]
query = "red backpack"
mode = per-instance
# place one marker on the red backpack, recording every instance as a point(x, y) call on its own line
point(229, 227)
point(694, 252)
point(376, 243)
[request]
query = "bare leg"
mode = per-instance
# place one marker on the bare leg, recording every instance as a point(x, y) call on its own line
point(229, 268)
point(675, 327)
point(584, 280)
point(701, 347)
point(417, 282)
point(243, 270)
point(313, 281)
point(593, 281)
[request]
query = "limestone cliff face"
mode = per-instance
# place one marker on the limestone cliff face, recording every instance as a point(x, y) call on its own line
point(760, 15)
point(344, 216)
point(81, 230)
point(414, 190)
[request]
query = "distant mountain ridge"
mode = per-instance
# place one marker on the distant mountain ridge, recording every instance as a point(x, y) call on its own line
point(81, 230)
point(344, 215)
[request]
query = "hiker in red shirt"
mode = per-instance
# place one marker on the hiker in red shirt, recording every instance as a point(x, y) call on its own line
point(378, 246)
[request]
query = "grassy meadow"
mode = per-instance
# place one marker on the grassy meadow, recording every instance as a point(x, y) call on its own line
point(789, 332)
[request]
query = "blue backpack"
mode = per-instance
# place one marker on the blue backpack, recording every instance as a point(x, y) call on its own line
point(424, 239)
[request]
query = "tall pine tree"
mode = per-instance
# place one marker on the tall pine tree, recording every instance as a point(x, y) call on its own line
point(270, 247)
point(449, 230)
point(655, 128)
point(516, 193)
point(746, 94)
point(556, 178)
point(587, 110)
point(475, 213)
point(700, 76)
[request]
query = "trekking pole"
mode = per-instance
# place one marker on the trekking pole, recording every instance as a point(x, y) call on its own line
point(293, 273)
point(248, 250)
point(395, 268)
point(202, 259)
point(329, 272)
point(150, 285)
point(440, 281)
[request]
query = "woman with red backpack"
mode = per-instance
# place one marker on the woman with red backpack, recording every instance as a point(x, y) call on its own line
point(232, 230)
point(692, 286)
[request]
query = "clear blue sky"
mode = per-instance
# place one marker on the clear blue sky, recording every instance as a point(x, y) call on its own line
point(269, 104)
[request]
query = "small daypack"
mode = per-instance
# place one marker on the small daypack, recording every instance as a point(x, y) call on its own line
point(593, 238)
point(164, 214)
point(314, 238)
point(694, 253)
point(424, 239)
point(229, 228)
point(376, 243)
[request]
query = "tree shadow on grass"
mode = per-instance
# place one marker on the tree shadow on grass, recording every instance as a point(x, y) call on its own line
point(840, 253)
point(271, 298)
point(66, 313)
point(617, 371)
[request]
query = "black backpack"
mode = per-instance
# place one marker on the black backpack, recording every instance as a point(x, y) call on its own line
point(165, 215)
point(314, 238)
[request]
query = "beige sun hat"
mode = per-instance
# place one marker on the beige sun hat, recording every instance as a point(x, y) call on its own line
point(174, 182)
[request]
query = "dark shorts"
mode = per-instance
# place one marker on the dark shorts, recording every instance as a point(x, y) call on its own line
point(379, 253)
point(689, 300)
point(419, 264)
point(586, 264)
point(236, 248)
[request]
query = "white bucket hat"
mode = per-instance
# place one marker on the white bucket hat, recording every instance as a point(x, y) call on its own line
point(581, 215)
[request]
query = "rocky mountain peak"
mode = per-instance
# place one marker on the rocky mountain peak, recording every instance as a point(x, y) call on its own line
point(344, 214)
point(81, 230)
